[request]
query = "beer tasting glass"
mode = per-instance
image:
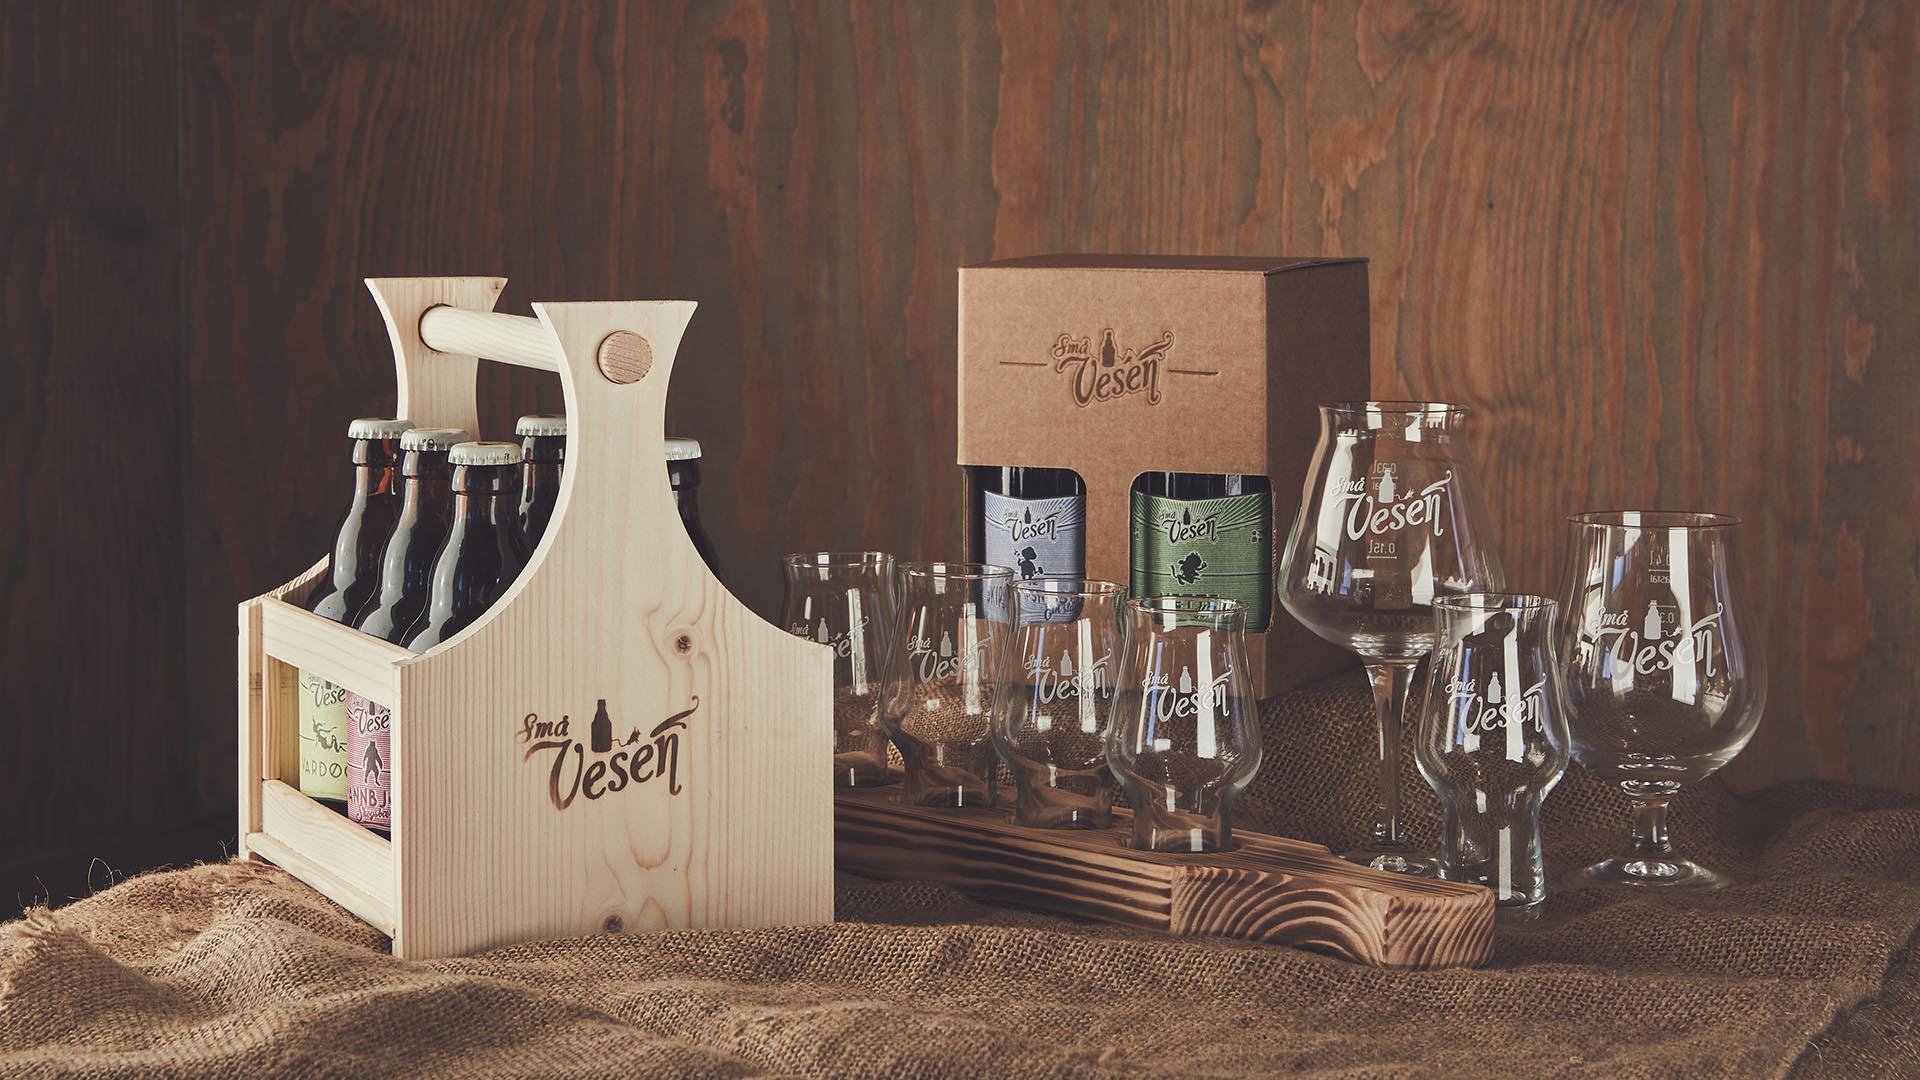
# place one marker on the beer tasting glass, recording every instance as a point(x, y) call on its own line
point(846, 600)
point(1052, 734)
point(1492, 740)
point(1390, 519)
point(948, 680)
point(1663, 678)
point(1184, 738)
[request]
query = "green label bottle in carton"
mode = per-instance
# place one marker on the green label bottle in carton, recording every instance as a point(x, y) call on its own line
point(1204, 535)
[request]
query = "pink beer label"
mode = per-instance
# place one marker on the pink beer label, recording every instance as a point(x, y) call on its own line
point(369, 777)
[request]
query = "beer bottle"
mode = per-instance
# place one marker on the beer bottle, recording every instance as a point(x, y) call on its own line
point(352, 573)
point(426, 515)
point(543, 450)
point(406, 569)
point(1204, 534)
point(485, 549)
point(1033, 520)
point(683, 472)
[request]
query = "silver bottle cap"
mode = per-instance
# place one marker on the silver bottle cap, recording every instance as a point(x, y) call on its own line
point(378, 427)
point(683, 449)
point(485, 453)
point(434, 438)
point(541, 424)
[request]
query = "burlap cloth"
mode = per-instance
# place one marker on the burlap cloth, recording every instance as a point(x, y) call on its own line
point(238, 970)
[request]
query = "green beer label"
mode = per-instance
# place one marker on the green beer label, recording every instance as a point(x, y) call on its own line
point(1206, 547)
point(323, 738)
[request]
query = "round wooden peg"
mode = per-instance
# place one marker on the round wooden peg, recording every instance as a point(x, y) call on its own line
point(625, 357)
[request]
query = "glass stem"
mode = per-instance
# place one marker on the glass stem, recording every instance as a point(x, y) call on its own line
point(1648, 839)
point(1391, 681)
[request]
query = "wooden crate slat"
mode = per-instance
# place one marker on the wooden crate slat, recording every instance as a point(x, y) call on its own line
point(360, 662)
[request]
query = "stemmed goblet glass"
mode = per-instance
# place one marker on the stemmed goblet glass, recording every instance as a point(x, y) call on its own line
point(1664, 683)
point(1389, 519)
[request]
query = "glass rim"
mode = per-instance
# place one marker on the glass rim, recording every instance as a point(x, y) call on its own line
point(814, 560)
point(1435, 409)
point(1194, 607)
point(958, 571)
point(1054, 587)
point(1495, 601)
point(1652, 519)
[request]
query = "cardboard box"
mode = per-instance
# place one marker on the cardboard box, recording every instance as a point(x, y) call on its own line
point(1117, 365)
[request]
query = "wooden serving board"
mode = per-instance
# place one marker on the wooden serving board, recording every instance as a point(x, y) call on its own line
point(1270, 889)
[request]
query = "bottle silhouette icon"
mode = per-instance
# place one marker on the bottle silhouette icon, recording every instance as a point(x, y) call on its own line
point(1066, 666)
point(820, 635)
point(1186, 681)
point(1107, 350)
point(1651, 631)
point(601, 731)
point(946, 646)
point(1386, 485)
point(1493, 689)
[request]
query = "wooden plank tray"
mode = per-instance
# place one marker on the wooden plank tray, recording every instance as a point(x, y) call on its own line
point(1270, 889)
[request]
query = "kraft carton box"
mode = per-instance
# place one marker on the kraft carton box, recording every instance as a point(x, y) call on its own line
point(1118, 365)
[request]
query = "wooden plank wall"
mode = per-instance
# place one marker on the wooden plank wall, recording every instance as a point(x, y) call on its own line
point(92, 661)
point(1665, 248)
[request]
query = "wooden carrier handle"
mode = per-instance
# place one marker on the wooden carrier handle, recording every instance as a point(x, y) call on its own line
point(489, 335)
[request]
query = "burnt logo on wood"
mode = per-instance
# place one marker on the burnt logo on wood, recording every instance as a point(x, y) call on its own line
point(600, 766)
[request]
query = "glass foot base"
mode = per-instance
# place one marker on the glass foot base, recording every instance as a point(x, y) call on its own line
point(1395, 860)
point(1670, 873)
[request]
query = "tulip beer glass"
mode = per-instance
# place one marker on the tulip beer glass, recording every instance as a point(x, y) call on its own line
point(1493, 740)
point(1052, 734)
point(1185, 734)
point(1389, 521)
point(845, 601)
point(948, 680)
point(1664, 679)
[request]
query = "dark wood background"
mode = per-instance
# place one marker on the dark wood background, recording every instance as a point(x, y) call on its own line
point(1668, 250)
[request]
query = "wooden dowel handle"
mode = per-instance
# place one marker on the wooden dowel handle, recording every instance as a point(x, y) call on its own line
point(490, 335)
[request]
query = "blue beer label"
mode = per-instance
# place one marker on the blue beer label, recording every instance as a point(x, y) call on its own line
point(1038, 538)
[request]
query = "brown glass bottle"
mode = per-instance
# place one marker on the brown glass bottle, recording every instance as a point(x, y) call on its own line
point(683, 472)
point(485, 549)
point(426, 516)
point(353, 572)
point(543, 452)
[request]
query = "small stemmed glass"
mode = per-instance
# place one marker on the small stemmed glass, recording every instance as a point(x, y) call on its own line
point(1389, 519)
point(1665, 683)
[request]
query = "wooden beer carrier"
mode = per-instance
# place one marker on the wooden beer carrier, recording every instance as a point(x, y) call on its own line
point(505, 828)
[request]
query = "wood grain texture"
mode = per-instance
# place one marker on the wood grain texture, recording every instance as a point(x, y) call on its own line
point(520, 809)
point(1665, 248)
point(1270, 890)
point(92, 742)
point(1662, 248)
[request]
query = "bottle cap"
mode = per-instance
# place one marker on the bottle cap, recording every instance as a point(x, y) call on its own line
point(541, 424)
point(683, 449)
point(434, 438)
point(485, 453)
point(377, 427)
